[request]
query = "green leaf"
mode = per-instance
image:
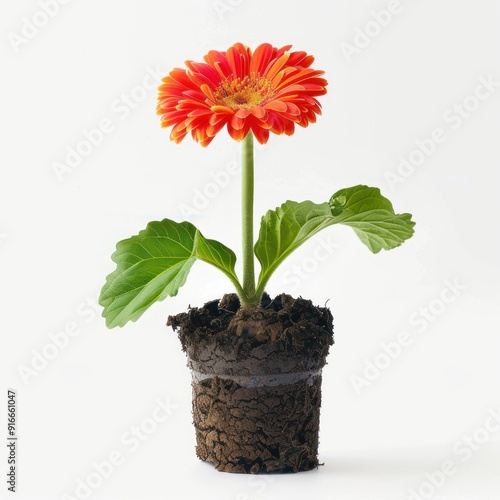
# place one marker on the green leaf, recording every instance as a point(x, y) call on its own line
point(372, 217)
point(154, 264)
point(363, 208)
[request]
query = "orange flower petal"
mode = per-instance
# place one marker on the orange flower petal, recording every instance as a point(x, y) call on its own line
point(276, 66)
point(222, 109)
point(213, 130)
point(237, 122)
point(261, 58)
point(278, 106)
point(258, 111)
point(292, 109)
point(261, 134)
point(242, 113)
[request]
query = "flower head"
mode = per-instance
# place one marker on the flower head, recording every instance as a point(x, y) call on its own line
point(268, 90)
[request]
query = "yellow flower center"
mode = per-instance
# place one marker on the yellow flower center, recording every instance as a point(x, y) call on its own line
point(243, 93)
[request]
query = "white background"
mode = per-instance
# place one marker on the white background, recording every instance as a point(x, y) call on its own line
point(57, 235)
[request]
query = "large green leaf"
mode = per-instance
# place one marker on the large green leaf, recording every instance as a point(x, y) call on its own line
point(363, 208)
point(372, 217)
point(154, 264)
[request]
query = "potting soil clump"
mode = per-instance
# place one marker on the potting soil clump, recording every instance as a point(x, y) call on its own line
point(256, 381)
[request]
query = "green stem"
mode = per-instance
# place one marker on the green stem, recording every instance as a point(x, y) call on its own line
point(247, 176)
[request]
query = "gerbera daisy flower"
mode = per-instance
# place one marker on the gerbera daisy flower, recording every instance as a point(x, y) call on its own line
point(268, 90)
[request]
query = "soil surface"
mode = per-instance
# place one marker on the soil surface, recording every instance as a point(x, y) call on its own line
point(256, 381)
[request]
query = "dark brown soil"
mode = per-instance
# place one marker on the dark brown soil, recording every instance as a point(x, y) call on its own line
point(256, 381)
